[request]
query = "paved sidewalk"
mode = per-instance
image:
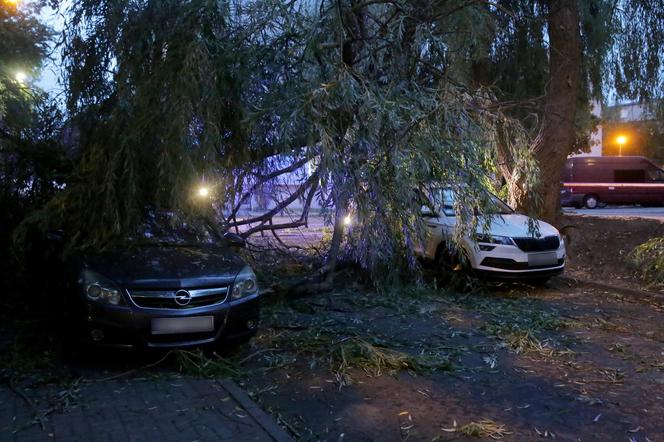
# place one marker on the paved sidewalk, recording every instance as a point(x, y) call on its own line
point(157, 409)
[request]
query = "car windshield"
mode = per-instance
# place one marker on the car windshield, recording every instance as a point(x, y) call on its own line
point(492, 206)
point(168, 229)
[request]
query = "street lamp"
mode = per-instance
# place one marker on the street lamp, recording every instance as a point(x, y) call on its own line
point(621, 139)
point(203, 191)
point(21, 77)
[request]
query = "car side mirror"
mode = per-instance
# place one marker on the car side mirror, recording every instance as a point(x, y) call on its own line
point(234, 240)
point(426, 212)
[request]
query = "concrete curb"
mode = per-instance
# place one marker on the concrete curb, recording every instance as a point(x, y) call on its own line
point(636, 293)
point(263, 419)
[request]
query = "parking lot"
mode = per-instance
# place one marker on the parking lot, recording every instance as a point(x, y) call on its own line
point(620, 212)
point(446, 361)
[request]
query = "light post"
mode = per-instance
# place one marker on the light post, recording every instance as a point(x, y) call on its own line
point(621, 139)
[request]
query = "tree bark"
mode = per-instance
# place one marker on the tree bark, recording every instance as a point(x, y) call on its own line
point(558, 128)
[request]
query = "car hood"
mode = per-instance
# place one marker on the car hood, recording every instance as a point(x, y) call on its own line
point(165, 266)
point(515, 226)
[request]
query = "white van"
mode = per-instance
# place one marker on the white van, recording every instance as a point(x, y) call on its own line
point(505, 246)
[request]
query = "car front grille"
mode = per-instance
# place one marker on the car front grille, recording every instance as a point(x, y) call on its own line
point(510, 264)
point(538, 244)
point(178, 299)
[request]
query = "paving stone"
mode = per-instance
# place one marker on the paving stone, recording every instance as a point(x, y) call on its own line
point(183, 409)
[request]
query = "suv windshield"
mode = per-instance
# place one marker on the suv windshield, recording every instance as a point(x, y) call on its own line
point(492, 206)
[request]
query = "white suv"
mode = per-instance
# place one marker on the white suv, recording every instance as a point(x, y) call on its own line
point(505, 246)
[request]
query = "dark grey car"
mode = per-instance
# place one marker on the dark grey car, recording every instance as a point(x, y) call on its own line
point(172, 290)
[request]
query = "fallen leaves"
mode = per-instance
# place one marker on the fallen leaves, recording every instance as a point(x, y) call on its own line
point(483, 428)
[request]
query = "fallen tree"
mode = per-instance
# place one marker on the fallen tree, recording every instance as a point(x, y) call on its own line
point(374, 98)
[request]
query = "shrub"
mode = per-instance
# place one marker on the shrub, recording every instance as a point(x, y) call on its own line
point(649, 261)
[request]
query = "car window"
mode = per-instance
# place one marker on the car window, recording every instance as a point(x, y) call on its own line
point(446, 198)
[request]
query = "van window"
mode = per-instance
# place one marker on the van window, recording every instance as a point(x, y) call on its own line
point(656, 175)
point(629, 176)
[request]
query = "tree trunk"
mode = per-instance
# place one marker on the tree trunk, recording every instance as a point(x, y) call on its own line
point(558, 129)
point(520, 197)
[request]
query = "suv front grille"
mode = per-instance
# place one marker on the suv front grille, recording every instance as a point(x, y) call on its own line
point(510, 264)
point(177, 299)
point(538, 244)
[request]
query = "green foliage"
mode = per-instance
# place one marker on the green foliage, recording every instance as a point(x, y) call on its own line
point(23, 45)
point(649, 261)
point(376, 360)
point(385, 114)
point(195, 363)
point(28, 120)
point(377, 97)
point(636, 61)
point(521, 324)
point(154, 92)
point(33, 163)
point(166, 94)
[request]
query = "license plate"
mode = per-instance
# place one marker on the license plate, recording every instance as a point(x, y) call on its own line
point(194, 324)
point(542, 259)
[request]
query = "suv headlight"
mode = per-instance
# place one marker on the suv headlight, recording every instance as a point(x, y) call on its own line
point(99, 289)
point(245, 284)
point(495, 239)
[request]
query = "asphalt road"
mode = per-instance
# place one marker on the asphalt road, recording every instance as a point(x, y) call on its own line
point(621, 212)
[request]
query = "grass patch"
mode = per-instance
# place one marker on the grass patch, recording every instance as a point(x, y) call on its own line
point(195, 363)
point(604, 324)
point(522, 325)
point(340, 352)
point(613, 375)
point(376, 361)
point(481, 429)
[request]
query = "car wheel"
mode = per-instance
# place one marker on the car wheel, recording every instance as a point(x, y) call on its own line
point(591, 201)
point(451, 261)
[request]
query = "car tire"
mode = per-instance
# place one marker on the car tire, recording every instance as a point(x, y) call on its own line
point(591, 201)
point(449, 261)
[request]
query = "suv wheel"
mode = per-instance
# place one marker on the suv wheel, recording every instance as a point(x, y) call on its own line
point(450, 260)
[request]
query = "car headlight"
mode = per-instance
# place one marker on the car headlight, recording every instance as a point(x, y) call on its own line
point(245, 284)
point(495, 239)
point(99, 289)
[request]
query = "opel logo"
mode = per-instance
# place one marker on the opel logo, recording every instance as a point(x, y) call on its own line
point(182, 297)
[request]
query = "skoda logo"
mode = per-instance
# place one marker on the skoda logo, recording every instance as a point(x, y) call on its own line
point(182, 297)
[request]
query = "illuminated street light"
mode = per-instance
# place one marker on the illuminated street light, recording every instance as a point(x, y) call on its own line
point(203, 191)
point(621, 140)
point(348, 220)
point(21, 77)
